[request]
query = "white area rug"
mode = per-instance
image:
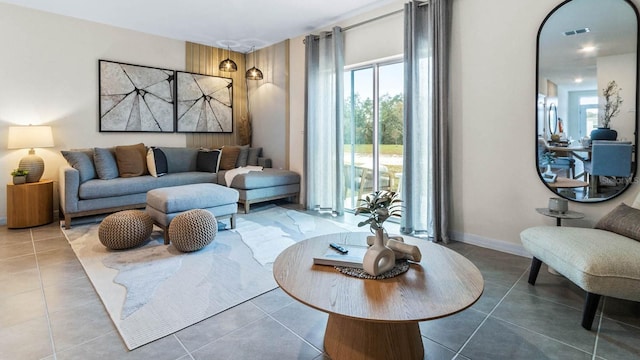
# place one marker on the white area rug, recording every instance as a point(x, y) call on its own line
point(155, 290)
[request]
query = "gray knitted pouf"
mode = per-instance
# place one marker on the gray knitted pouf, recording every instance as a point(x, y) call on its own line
point(192, 230)
point(125, 229)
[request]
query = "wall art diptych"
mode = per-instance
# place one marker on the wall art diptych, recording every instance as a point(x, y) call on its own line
point(204, 103)
point(136, 98)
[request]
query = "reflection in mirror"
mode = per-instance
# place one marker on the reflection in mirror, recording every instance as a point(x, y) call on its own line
point(587, 82)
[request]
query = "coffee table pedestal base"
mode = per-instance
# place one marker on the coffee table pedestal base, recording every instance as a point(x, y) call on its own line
point(348, 338)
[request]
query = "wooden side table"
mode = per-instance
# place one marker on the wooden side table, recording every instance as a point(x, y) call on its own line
point(29, 204)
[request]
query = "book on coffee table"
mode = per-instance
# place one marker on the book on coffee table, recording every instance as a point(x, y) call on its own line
point(332, 257)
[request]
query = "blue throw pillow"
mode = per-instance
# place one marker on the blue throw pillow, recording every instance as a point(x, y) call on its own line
point(81, 161)
point(105, 163)
point(156, 162)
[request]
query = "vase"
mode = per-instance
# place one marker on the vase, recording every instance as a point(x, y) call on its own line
point(548, 171)
point(17, 180)
point(603, 134)
point(378, 259)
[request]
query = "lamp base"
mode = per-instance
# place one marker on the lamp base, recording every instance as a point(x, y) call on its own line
point(34, 164)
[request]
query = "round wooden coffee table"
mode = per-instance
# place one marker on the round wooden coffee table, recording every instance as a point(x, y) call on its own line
point(378, 319)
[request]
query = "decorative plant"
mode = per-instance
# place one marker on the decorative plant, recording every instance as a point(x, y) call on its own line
point(548, 158)
point(19, 172)
point(380, 205)
point(612, 102)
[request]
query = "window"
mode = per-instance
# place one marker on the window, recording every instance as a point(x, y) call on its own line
point(373, 110)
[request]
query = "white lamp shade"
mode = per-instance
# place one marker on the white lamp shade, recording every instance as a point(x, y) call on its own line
point(28, 137)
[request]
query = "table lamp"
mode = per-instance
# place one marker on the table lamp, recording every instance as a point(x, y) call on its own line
point(30, 137)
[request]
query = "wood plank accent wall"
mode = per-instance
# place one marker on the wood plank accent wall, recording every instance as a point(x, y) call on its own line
point(203, 59)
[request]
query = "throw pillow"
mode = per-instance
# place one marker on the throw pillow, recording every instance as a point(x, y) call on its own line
point(623, 220)
point(243, 156)
point(81, 161)
point(132, 160)
point(156, 162)
point(208, 160)
point(105, 162)
point(254, 154)
point(229, 157)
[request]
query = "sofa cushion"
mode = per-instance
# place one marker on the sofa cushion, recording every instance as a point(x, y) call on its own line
point(229, 157)
point(261, 179)
point(208, 160)
point(254, 154)
point(131, 160)
point(187, 197)
point(243, 156)
point(623, 220)
point(81, 160)
point(105, 163)
point(156, 162)
point(180, 159)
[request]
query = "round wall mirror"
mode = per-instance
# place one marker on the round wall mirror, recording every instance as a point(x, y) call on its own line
point(586, 98)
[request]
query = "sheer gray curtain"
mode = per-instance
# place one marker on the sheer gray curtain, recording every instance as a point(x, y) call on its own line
point(323, 121)
point(425, 183)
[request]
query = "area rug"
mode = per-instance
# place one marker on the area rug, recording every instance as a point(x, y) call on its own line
point(155, 290)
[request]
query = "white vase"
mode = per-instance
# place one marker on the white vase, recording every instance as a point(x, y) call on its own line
point(548, 171)
point(378, 259)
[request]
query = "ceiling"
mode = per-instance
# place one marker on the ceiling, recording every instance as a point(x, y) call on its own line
point(239, 24)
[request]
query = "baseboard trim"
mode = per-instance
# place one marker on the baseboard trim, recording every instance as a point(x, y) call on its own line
point(493, 244)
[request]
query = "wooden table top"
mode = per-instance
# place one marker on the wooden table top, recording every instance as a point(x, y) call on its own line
point(443, 283)
point(565, 183)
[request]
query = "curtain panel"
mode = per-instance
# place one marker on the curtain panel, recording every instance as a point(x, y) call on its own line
point(324, 121)
point(425, 182)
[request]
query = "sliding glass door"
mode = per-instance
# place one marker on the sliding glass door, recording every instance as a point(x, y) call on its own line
point(373, 128)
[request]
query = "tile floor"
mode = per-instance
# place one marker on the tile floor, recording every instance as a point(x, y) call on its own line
point(49, 310)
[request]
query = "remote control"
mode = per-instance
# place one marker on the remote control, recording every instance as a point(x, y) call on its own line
point(339, 248)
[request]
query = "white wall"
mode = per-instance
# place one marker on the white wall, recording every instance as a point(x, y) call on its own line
point(493, 94)
point(621, 69)
point(49, 75)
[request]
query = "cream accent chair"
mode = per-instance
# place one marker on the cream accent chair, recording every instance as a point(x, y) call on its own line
point(600, 262)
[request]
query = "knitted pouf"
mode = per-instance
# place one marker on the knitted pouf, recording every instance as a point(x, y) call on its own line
point(125, 229)
point(192, 230)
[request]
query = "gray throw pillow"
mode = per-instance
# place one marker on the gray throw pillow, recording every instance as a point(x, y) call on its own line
point(243, 156)
point(623, 220)
point(254, 154)
point(105, 163)
point(81, 161)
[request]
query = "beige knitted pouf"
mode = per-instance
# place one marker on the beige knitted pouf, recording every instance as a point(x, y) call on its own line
point(125, 229)
point(192, 230)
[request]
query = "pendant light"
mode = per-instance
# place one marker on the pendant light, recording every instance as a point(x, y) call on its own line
point(228, 64)
point(254, 73)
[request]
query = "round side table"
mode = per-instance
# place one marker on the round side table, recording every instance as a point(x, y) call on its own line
point(559, 216)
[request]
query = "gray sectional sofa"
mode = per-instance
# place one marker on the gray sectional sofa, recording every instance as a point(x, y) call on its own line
point(85, 191)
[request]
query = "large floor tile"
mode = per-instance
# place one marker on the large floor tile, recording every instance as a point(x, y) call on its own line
point(491, 296)
point(26, 340)
point(18, 264)
point(56, 257)
point(545, 317)
point(308, 323)
point(62, 271)
point(111, 346)
point(53, 243)
point(273, 300)
point(21, 307)
point(69, 294)
point(217, 326)
point(500, 268)
point(435, 351)
point(452, 331)
point(52, 230)
point(552, 287)
point(14, 237)
point(12, 251)
point(19, 282)
point(622, 310)
point(76, 326)
point(264, 339)
point(618, 341)
point(498, 340)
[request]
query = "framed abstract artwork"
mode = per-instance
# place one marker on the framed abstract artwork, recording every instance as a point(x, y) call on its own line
point(135, 98)
point(204, 103)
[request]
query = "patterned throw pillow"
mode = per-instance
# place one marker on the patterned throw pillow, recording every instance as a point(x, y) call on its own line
point(156, 162)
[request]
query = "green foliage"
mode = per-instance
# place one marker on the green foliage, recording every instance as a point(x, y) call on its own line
point(548, 158)
point(19, 172)
point(358, 119)
point(380, 205)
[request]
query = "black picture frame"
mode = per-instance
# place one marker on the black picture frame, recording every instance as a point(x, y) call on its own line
point(204, 103)
point(135, 98)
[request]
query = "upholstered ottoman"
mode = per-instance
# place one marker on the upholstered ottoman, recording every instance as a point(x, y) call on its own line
point(125, 229)
point(192, 230)
point(599, 261)
point(268, 184)
point(164, 204)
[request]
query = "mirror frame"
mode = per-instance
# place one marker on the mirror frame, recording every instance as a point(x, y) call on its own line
point(634, 165)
